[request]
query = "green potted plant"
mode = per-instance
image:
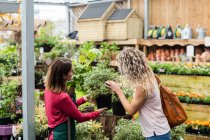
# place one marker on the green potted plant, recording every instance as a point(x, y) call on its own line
point(117, 106)
point(45, 40)
point(128, 130)
point(41, 125)
point(39, 80)
point(90, 130)
point(109, 51)
point(178, 132)
point(8, 91)
point(83, 61)
point(94, 84)
point(9, 61)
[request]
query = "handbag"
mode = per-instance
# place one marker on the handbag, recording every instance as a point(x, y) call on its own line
point(171, 105)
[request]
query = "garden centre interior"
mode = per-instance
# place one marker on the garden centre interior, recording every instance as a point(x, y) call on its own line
point(174, 36)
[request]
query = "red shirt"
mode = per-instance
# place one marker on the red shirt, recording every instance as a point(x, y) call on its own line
point(59, 106)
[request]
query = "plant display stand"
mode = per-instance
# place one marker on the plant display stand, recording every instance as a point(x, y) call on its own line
point(189, 83)
point(197, 112)
point(109, 121)
point(5, 131)
point(195, 137)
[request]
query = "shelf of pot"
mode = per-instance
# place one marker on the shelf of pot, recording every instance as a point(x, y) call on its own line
point(195, 137)
point(187, 63)
point(118, 42)
point(170, 42)
point(197, 111)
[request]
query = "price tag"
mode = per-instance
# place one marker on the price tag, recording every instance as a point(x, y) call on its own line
point(190, 50)
point(207, 41)
point(41, 50)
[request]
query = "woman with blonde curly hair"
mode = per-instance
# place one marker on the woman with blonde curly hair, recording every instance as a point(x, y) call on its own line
point(146, 100)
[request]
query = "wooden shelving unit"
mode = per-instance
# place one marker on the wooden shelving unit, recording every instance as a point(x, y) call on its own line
point(170, 42)
point(151, 42)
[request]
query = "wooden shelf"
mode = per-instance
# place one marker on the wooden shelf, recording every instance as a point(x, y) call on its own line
point(171, 62)
point(170, 42)
point(118, 42)
point(151, 42)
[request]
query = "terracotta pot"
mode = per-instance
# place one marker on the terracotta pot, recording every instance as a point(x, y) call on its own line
point(167, 53)
point(177, 52)
point(182, 51)
point(158, 55)
point(163, 55)
point(149, 56)
point(153, 57)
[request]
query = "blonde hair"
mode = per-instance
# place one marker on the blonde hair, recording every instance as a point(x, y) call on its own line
point(134, 67)
point(54, 80)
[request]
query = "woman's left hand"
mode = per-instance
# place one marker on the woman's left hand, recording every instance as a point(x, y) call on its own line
point(114, 86)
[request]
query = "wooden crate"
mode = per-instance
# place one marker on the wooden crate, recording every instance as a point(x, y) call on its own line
point(200, 84)
point(122, 27)
point(195, 137)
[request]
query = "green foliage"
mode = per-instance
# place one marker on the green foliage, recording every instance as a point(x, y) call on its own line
point(39, 76)
point(41, 125)
point(95, 80)
point(126, 91)
point(108, 50)
point(178, 132)
point(207, 100)
point(128, 130)
point(86, 55)
point(45, 38)
point(61, 49)
point(180, 69)
point(8, 60)
point(8, 92)
point(90, 130)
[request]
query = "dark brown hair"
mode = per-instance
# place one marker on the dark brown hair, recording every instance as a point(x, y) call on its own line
point(54, 80)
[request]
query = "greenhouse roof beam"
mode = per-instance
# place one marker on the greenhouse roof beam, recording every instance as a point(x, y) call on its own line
point(8, 7)
point(89, 2)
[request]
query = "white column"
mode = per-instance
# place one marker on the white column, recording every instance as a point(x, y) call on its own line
point(28, 69)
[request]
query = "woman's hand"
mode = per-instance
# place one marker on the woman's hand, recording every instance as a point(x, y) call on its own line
point(102, 110)
point(114, 86)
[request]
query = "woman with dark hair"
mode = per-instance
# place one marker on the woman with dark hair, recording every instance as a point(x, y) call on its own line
point(59, 105)
point(146, 100)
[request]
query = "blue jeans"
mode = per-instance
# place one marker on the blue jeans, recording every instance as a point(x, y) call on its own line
point(160, 137)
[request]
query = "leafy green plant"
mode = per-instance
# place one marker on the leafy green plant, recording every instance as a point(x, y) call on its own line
point(108, 50)
point(178, 132)
point(128, 130)
point(45, 39)
point(41, 125)
point(82, 63)
point(39, 77)
point(8, 91)
point(126, 91)
point(180, 69)
point(90, 130)
point(62, 49)
point(95, 80)
point(8, 60)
